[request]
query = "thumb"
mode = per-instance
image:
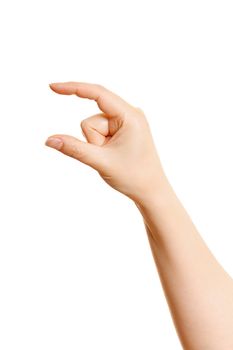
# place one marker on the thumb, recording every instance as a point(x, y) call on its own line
point(87, 153)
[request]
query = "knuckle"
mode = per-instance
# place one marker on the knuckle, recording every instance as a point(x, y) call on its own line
point(83, 124)
point(77, 152)
point(139, 110)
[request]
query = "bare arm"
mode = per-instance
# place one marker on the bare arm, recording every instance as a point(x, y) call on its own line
point(120, 147)
point(198, 291)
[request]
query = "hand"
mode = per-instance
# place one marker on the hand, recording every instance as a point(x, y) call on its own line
point(119, 142)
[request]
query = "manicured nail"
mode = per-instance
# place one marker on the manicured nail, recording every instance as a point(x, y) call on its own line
point(53, 84)
point(54, 142)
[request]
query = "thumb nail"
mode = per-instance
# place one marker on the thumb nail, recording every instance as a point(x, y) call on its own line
point(54, 142)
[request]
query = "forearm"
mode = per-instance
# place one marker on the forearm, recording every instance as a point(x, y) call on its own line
point(121, 148)
point(198, 290)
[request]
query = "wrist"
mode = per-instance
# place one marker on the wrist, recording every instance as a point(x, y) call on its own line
point(156, 195)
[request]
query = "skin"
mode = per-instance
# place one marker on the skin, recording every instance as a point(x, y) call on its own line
point(120, 147)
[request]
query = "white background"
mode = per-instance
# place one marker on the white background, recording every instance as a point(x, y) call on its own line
point(76, 270)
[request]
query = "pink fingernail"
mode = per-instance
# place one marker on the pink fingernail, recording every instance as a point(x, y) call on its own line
point(54, 142)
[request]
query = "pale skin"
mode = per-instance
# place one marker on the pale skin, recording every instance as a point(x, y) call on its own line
point(120, 147)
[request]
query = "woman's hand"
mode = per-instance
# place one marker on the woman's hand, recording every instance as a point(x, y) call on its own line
point(120, 147)
point(119, 142)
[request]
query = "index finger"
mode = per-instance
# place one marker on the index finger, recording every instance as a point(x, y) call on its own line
point(108, 102)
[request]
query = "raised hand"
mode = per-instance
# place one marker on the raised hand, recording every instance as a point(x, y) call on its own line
point(119, 142)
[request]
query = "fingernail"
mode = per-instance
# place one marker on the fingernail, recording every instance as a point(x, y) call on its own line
point(54, 142)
